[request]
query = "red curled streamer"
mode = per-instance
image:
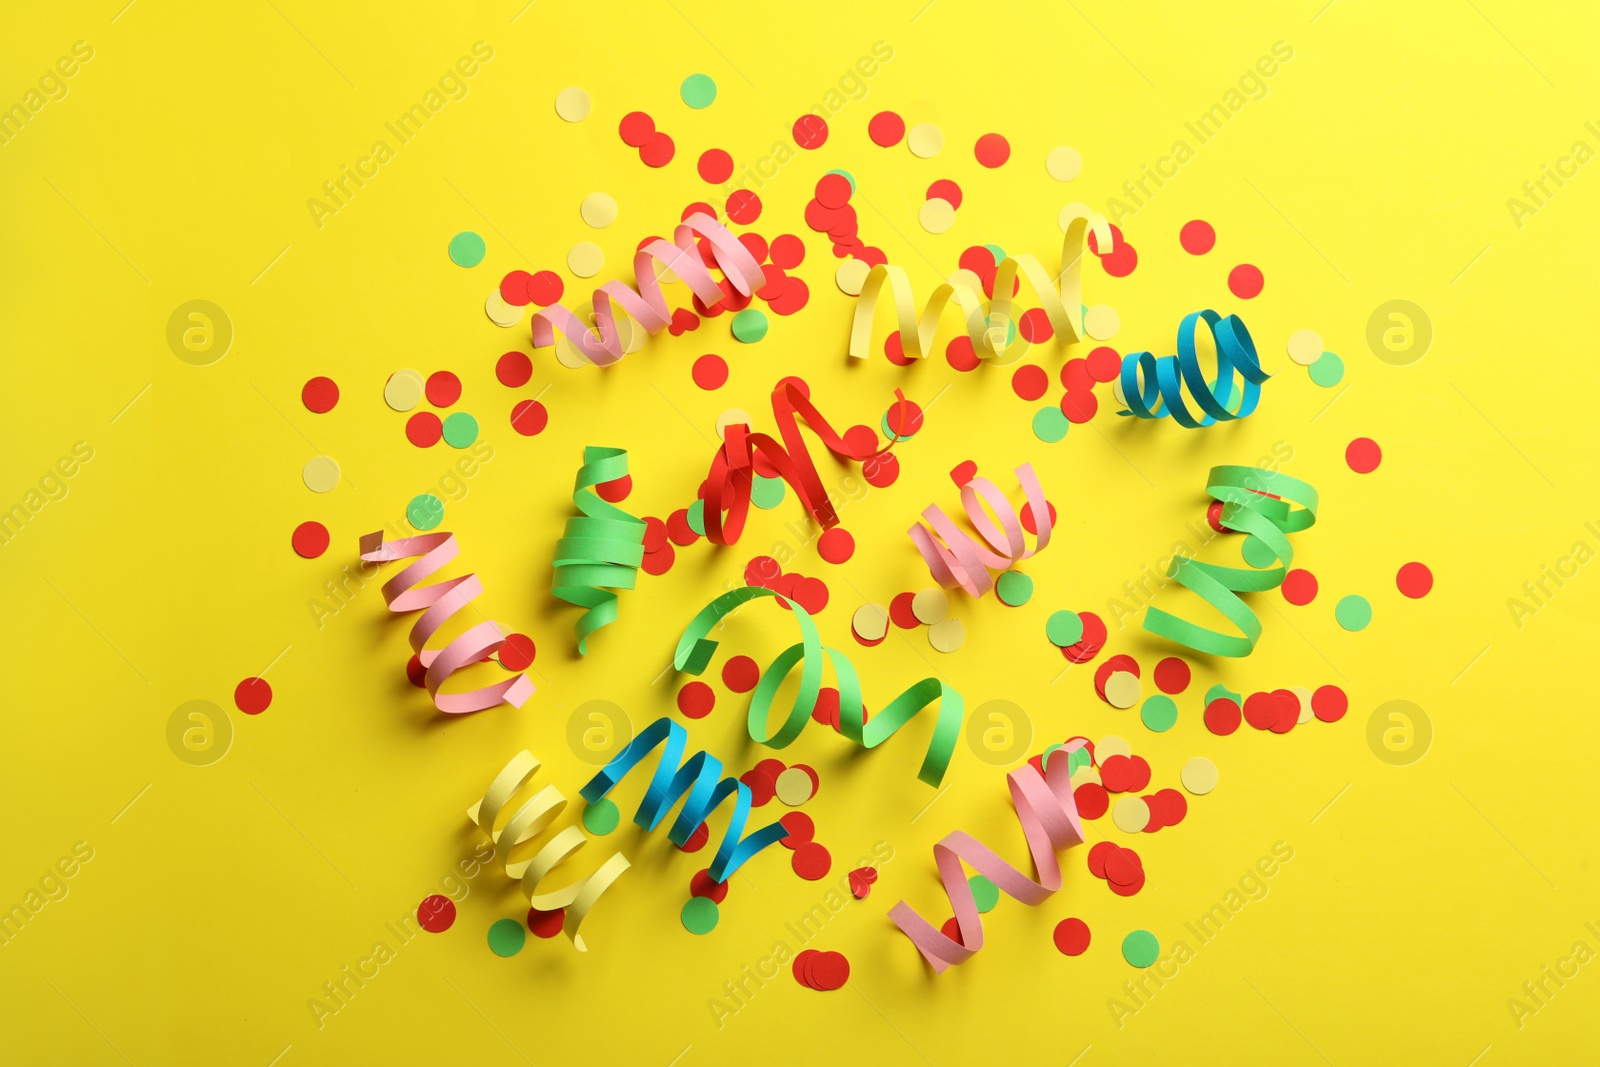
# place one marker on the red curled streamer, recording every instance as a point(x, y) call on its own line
point(646, 303)
point(956, 558)
point(437, 602)
point(730, 481)
point(1049, 818)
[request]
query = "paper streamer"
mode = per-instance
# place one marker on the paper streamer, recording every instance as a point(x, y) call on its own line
point(956, 558)
point(438, 602)
point(730, 481)
point(647, 304)
point(1153, 388)
point(1060, 294)
point(695, 782)
point(1255, 502)
point(694, 654)
point(1050, 823)
point(602, 548)
point(526, 822)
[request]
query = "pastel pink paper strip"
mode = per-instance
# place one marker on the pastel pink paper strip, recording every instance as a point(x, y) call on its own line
point(956, 558)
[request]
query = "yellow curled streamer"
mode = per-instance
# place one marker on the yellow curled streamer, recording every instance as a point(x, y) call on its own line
point(1060, 295)
point(525, 823)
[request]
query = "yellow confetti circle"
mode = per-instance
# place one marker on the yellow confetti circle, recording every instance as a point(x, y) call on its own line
point(1110, 745)
point(1102, 322)
point(1063, 163)
point(851, 276)
point(321, 474)
point(1131, 814)
point(573, 104)
point(794, 787)
point(1122, 689)
point(1085, 775)
point(930, 606)
point(585, 259)
point(403, 390)
point(947, 636)
point(731, 417)
point(1199, 776)
point(501, 313)
point(1306, 714)
point(925, 140)
point(936, 216)
point(598, 210)
point(870, 622)
point(1305, 347)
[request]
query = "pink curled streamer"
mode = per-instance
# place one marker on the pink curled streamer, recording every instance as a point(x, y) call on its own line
point(647, 304)
point(1049, 818)
point(956, 558)
point(438, 602)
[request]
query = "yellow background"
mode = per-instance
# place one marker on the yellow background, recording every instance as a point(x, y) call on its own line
point(1377, 167)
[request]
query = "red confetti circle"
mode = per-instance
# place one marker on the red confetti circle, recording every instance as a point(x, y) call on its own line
point(1245, 281)
point(710, 371)
point(744, 207)
point(518, 652)
point(1172, 675)
point(788, 251)
point(1197, 237)
point(424, 429)
point(1071, 937)
point(696, 699)
point(1222, 716)
point(1299, 587)
point(416, 673)
point(1329, 703)
point(1104, 364)
point(658, 151)
point(436, 913)
point(946, 190)
point(513, 369)
point(1363, 455)
point(1030, 382)
point(529, 417)
point(1260, 710)
point(310, 539)
point(679, 530)
point(1120, 263)
point(900, 612)
point(740, 674)
point(659, 562)
point(546, 288)
point(514, 288)
point(992, 150)
point(320, 395)
point(1035, 326)
point(715, 166)
point(886, 129)
point(1415, 580)
point(1092, 800)
point(811, 861)
point(801, 829)
point(1079, 406)
point(252, 696)
point(701, 885)
point(636, 128)
point(836, 545)
point(810, 132)
point(546, 923)
point(1028, 520)
point(616, 490)
point(444, 389)
point(881, 471)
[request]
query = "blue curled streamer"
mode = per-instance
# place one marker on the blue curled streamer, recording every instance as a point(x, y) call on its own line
point(698, 779)
point(1152, 387)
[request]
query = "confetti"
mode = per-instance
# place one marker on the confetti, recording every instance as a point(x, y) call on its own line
point(321, 474)
point(403, 390)
point(599, 210)
point(573, 104)
point(992, 150)
point(467, 249)
point(319, 395)
point(936, 216)
point(1363, 455)
point(957, 559)
point(436, 913)
point(1245, 282)
point(1327, 371)
point(425, 511)
point(1414, 580)
point(700, 915)
point(1353, 612)
point(1140, 948)
point(585, 260)
point(506, 937)
point(698, 91)
point(1197, 237)
point(1199, 776)
point(925, 140)
point(310, 539)
point(1305, 347)
point(1063, 163)
point(886, 129)
point(252, 696)
point(1064, 628)
point(1071, 937)
point(1122, 689)
point(1159, 713)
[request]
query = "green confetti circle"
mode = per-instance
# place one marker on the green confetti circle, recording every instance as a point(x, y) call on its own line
point(425, 511)
point(1141, 948)
point(767, 493)
point(1257, 553)
point(1327, 370)
point(700, 915)
point(697, 517)
point(888, 431)
point(698, 90)
point(998, 253)
point(467, 249)
point(750, 325)
point(460, 429)
point(1159, 712)
point(1064, 628)
point(1219, 691)
point(1077, 759)
point(984, 893)
point(1353, 612)
point(1014, 589)
point(847, 176)
point(1050, 424)
point(506, 937)
point(601, 817)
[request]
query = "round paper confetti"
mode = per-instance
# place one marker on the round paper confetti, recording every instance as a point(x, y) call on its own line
point(930, 606)
point(731, 417)
point(810, 132)
point(886, 129)
point(573, 104)
point(252, 696)
point(696, 699)
point(1071, 937)
point(506, 937)
point(310, 539)
point(403, 390)
point(1329, 703)
point(1245, 281)
point(425, 511)
point(710, 372)
point(947, 636)
point(1197, 237)
point(1050, 424)
point(1363, 455)
point(870, 622)
point(851, 276)
point(601, 817)
point(1064, 628)
point(794, 787)
point(598, 210)
point(500, 313)
point(1299, 587)
point(529, 417)
point(319, 395)
point(1122, 689)
point(1158, 713)
point(1141, 948)
point(936, 216)
point(585, 259)
point(436, 913)
point(513, 369)
point(1171, 675)
point(925, 140)
point(992, 150)
point(811, 861)
point(836, 545)
point(698, 91)
point(1353, 612)
point(1063, 163)
point(1305, 346)
point(1414, 580)
point(460, 429)
point(985, 894)
point(443, 389)
point(320, 474)
point(1102, 322)
point(715, 166)
point(750, 325)
point(1327, 371)
point(517, 653)
point(1199, 776)
point(1131, 814)
point(1014, 588)
point(467, 249)
point(657, 151)
point(545, 923)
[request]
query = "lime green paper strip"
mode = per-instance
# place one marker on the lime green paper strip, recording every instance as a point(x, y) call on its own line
point(1254, 502)
point(602, 548)
point(694, 654)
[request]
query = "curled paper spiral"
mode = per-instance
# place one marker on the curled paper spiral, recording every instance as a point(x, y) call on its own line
point(1050, 823)
point(602, 548)
point(1255, 502)
point(647, 304)
point(695, 650)
point(956, 558)
point(696, 783)
point(1060, 295)
point(438, 602)
point(526, 822)
point(731, 478)
point(1153, 388)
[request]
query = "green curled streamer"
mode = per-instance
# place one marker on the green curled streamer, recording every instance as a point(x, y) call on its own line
point(602, 548)
point(1254, 502)
point(694, 654)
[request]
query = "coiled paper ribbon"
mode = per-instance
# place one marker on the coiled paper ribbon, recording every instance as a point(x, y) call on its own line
point(1061, 296)
point(695, 782)
point(731, 477)
point(695, 650)
point(956, 558)
point(647, 304)
point(602, 548)
point(1050, 823)
point(1153, 388)
point(438, 602)
point(526, 822)
point(1255, 502)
